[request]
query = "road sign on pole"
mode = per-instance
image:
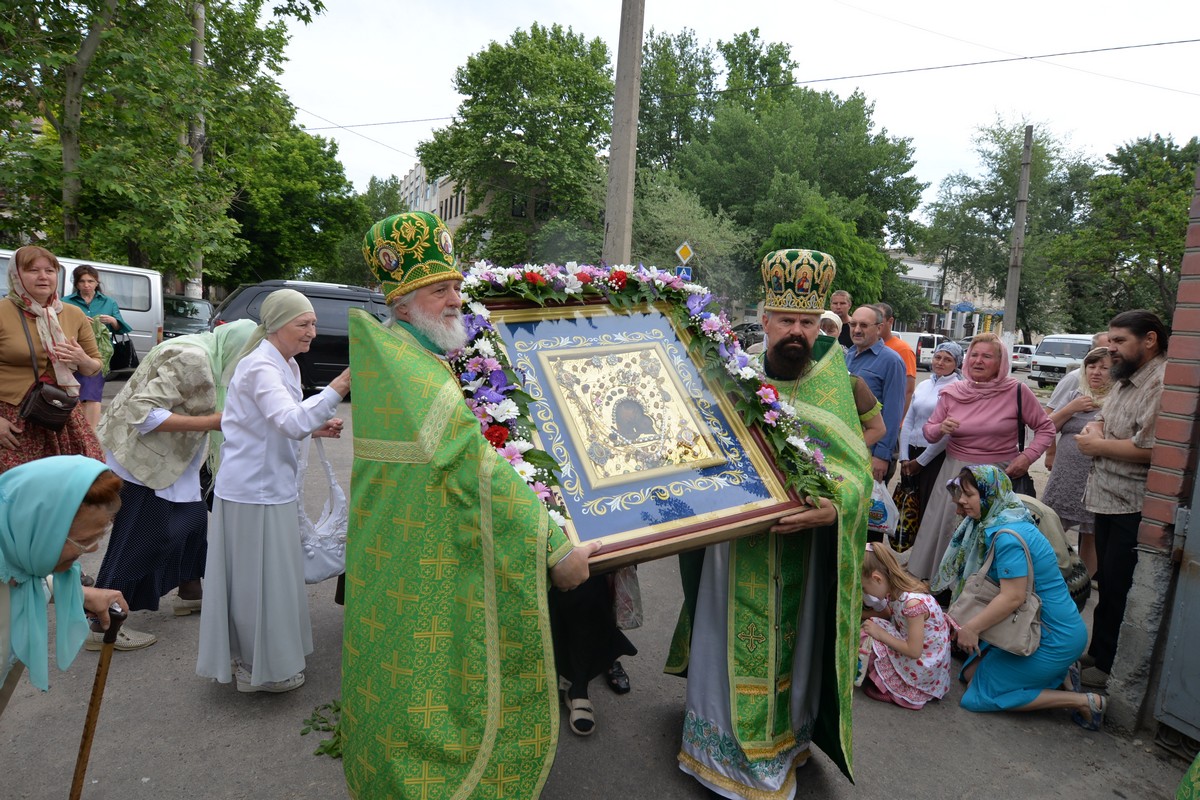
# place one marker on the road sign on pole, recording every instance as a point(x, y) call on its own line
point(685, 253)
point(684, 272)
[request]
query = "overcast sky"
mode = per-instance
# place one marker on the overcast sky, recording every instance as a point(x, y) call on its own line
point(385, 64)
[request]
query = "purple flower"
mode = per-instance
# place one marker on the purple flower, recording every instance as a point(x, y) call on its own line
point(698, 302)
point(486, 394)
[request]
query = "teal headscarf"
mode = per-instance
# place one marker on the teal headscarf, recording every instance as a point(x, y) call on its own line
point(998, 506)
point(38, 502)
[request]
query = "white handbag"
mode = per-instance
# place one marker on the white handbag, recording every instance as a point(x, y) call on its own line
point(324, 542)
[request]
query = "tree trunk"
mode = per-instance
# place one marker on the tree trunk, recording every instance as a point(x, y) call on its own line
point(71, 120)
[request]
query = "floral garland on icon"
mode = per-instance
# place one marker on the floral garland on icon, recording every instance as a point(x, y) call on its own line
point(494, 391)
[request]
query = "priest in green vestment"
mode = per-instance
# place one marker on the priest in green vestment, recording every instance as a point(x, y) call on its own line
point(768, 635)
point(448, 681)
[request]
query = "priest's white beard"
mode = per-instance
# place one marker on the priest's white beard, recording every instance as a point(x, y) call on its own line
point(447, 331)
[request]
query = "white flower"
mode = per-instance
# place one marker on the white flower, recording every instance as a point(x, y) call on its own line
point(475, 384)
point(520, 445)
point(502, 411)
point(558, 518)
point(572, 285)
point(798, 443)
point(484, 348)
point(525, 470)
point(787, 408)
point(480, 309)
point(747, 373)
point(571, 267)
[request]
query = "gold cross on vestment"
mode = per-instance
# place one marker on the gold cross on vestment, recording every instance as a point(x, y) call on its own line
point(427, 383)
point(513, 499)
point(442, 489)
point(505, 710)
point(400, 596)
point(752, 583)
point(506, 644)
point(362, 380)
point(751, 637)
point(465, 749)
point(368, 696)
point(458, 421)
point(538, 675)
point(539, 741)
point(441, 562)
point(434, 634)
point(425, 780)
point(394, 669)
point(392, 745)
point(388, 410)
point(378, 551)
point(360, 514)
point(406, 522)
point(472, 604)
point(506, 575)
point(502, 779)
point(429, 709)
point(372, 623)
point(383, 481)
point(466, 676)
point(366, 765)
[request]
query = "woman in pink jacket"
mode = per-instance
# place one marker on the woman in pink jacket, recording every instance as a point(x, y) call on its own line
point(980, 415)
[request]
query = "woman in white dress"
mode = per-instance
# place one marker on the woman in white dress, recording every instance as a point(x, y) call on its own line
point(255, 627)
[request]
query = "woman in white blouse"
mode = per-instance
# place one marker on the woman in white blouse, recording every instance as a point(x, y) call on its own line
point(919, 459)
point(255, 626)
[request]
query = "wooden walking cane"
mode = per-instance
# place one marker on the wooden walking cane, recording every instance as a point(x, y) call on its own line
point(115, 617)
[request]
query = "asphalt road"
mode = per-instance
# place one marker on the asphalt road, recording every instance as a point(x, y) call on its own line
point(165, 733)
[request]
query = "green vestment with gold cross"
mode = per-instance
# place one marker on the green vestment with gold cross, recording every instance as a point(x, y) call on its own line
point(767, 578)
point(448, 687)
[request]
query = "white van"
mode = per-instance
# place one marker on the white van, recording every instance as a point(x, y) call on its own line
point(138, 293)
point(1057, 355)
point(923, 344)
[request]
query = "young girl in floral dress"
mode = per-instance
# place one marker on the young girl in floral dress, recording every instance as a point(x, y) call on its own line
point(908, 647)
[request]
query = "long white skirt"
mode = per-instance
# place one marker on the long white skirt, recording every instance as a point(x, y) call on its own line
point(938, 523)
point(710, 751)
point(255, 603)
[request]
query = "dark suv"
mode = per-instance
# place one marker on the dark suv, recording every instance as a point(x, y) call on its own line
point(330, 351)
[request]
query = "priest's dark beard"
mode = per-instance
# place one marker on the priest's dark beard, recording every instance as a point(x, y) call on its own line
point(789, 359)
point(1123, 369)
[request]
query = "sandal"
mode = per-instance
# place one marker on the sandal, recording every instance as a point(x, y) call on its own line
point(1072, 682)
point(582, 719)
point(618, 678)
point(1097, 705)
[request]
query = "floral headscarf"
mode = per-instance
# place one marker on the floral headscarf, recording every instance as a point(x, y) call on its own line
point(998, 506)
point(48, 328)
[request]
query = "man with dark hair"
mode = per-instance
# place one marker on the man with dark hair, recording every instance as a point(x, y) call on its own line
point(839, 303)
point(1120, 442)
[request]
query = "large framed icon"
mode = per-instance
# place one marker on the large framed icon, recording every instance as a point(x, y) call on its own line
point(654, 458)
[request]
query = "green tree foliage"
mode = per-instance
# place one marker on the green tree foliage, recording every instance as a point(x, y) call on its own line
point(536, 111)
point(1127, 251)
point(294, 207)
point(667, 215)
point(802, 144)
point(907, 299)
point(120, 184)
point(677, 95)
point(757, 74)
point(971, 222)
point(860, 264)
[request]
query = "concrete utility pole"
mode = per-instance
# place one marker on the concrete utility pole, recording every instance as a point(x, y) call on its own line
point(1018, 243)
point(622, 154)
point(194, 286)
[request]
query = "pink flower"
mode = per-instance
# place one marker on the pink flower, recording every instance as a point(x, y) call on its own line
point(771, 417)
point(711, 325)
point(541, 490)
point(768, 394)
point(510, 453)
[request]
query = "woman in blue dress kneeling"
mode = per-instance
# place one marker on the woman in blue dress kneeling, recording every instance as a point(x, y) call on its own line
point(998, 680)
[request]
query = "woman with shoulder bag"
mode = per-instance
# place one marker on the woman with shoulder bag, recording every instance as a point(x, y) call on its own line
point(997, 680)
point(88, 298)
point(44, 340)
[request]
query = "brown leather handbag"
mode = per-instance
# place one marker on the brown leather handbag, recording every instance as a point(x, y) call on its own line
point(44, 404)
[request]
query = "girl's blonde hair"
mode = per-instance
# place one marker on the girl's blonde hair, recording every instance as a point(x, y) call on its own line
point(880, 558)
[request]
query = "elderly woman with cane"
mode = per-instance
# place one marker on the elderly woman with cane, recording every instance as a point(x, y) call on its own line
point(156, 435)
point(255, 627)
point(52, 511)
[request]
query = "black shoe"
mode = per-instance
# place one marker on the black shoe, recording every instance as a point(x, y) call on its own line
point(618, 678)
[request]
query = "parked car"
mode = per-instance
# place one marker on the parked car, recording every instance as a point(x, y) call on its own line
point(330, 351)
point(1057, 355)
point(184, 315)
point(1022, 356)
point(923, 345)
point(138, 292)
point(749, 333)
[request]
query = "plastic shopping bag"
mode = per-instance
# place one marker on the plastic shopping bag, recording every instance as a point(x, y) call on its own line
point(324, 541)
point(882, 516)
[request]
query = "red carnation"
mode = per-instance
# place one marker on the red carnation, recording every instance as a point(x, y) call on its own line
point(617, 278)
point(496, 434)
point(534, 278)
point(584, 278)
